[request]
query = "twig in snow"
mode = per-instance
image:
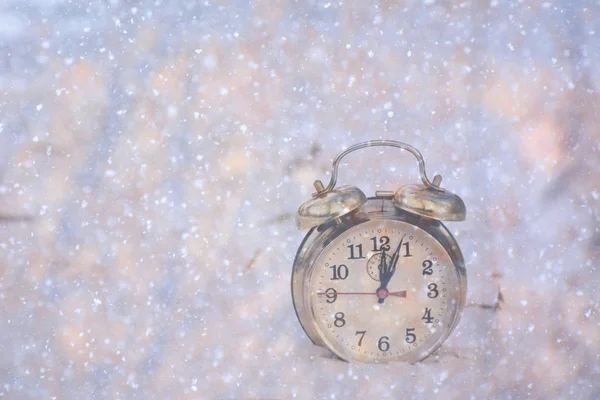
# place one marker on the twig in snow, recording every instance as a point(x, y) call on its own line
point(252, 261)
point(278, 218)
point(15, 218)
point(493, 307)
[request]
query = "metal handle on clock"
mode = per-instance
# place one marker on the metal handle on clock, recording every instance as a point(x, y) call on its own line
point(372, 143)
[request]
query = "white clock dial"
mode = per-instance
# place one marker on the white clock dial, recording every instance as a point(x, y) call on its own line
point(402, 312)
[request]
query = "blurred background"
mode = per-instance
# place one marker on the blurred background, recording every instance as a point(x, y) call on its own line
point(153, 155)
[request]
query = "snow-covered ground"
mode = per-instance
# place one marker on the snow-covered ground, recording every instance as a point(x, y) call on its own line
point(153, 155)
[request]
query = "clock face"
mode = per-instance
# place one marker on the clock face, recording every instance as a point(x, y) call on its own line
point(384, 290)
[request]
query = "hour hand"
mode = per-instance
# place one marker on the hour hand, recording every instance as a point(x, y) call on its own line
point(382, 267)
point(385, 274)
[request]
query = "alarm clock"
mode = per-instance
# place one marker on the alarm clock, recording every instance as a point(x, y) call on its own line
point(379, 279)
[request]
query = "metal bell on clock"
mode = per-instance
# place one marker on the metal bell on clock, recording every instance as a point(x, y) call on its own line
point(329, 204)
point(430, 201)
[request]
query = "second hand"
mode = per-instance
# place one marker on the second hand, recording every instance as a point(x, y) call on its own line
point(401, 293)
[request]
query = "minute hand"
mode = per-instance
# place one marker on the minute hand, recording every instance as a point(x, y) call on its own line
point(396, 256)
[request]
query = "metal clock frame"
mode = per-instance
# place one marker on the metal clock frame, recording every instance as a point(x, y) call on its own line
point(319, 237)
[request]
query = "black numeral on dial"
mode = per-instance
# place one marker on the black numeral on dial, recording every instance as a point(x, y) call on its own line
point(383, 343)
point(355, 255)
point(339, 319)
point(383, 241)
point(362, 336)
point(433, 291)
point(427, 267)
point(407, 254)
point(331, 295)
point(339, 272)
point(410, 335)
point(427, 316)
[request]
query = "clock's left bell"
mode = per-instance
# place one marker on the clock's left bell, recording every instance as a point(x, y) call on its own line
point(327, 205)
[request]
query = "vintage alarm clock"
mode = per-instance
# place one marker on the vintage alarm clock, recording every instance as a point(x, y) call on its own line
point(379, 279)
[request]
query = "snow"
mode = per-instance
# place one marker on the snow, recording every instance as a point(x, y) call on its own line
point(152, 159)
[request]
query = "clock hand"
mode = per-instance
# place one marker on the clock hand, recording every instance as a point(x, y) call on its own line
point(382, 267)
point(382, 291)
point(358, 293)
point(387, 271)
point(401, 293)
point(396, 256)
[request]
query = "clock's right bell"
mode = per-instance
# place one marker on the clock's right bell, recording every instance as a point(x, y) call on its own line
point(430, 202)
